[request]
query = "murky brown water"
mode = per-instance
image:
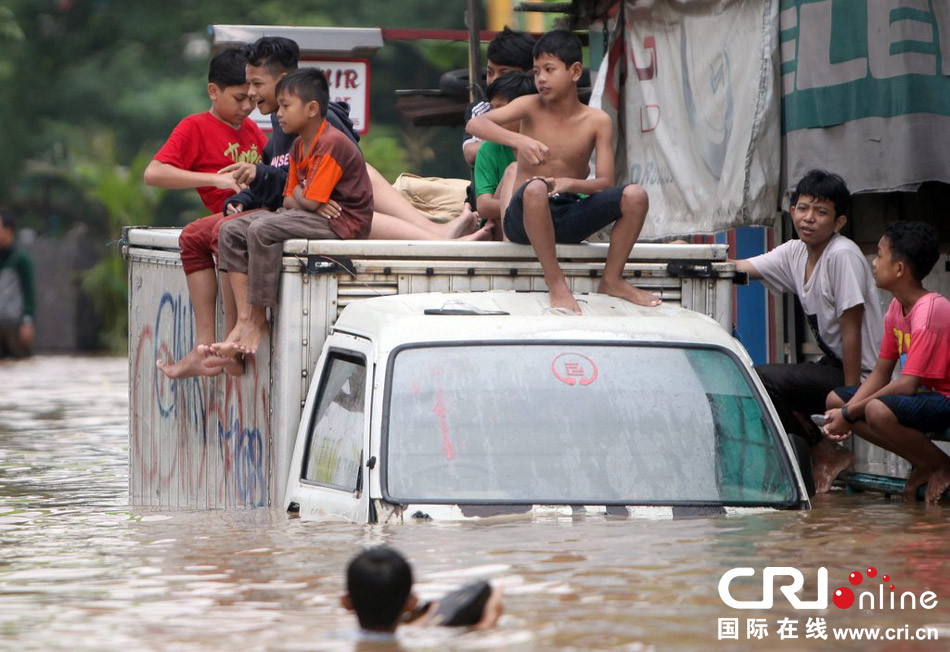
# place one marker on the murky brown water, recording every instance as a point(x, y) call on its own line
point(80, 570)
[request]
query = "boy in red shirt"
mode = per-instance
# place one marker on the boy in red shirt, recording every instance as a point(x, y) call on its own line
point(204, 143)
point(200, 146)
point(329, 195)
point(897, 414)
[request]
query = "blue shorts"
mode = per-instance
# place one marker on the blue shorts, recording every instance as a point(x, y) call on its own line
point(925, 411)
point(574, 217)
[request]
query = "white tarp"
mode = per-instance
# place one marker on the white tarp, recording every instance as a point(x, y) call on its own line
point(693, 93)
point(866, 91)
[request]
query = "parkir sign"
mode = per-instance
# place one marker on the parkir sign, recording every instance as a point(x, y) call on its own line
point(349, 82)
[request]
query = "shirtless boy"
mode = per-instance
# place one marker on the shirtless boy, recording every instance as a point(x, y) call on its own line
point(545, 209)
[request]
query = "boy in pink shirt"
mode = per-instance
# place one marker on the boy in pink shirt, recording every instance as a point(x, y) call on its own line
point(898, 414)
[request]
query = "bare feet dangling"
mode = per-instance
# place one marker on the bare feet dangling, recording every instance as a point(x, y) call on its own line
point(193, 364)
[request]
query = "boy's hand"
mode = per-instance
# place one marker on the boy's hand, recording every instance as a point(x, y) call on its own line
point(329, 210)
point(558, 184)
point(231, 209)
point(836, 428)
point(243, 173)
point(225, 182)
point(533, 151)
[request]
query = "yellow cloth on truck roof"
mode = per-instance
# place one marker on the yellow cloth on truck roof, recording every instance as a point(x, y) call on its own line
point(438, 198)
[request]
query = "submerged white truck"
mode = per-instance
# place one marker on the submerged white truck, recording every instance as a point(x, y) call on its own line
point(230, 441)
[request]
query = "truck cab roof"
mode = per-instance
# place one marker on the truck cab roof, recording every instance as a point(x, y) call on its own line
point(491, 316)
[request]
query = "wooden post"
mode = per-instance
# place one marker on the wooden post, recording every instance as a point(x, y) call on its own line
point(474, 51)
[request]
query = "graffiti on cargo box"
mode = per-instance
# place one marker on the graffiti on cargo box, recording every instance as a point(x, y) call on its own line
point(176, 458)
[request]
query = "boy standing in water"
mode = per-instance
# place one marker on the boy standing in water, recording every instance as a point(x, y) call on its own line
point(557, 137)
point(898, 414)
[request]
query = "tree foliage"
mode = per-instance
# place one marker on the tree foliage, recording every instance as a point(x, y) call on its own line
point(73, 70)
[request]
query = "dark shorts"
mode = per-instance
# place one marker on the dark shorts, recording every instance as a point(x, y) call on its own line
point(574, 217)
point(926, 411)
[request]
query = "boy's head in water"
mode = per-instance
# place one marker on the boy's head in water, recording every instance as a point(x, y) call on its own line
point(379, 589)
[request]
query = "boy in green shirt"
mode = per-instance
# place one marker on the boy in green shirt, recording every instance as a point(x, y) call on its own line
point(493, 158)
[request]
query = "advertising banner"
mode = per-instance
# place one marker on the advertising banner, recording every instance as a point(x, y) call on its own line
point(865, 91)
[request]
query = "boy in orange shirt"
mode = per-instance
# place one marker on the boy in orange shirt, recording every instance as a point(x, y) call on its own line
point(329, 195)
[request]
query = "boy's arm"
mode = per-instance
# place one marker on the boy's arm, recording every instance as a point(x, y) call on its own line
point(303, 202)
point(850, 322)
point(265, 190)
point(168, 176)
point(878, 383)
point(488, 126)
point(489, 206)
point(747, 267)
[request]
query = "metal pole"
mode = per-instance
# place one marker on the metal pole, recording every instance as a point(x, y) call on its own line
point(474, 51)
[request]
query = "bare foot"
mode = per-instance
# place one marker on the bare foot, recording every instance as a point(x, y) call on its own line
point(484, 233)
point(464, 224)
point(233, 365)
point(937, 483)
point(828, 459)
point(561, 297)
point(193, 364)
point(251, 338)
point(915, 480)
point(226, 349)
point(623, 290)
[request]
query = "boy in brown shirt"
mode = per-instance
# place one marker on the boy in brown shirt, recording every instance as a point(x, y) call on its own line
point(328, 196)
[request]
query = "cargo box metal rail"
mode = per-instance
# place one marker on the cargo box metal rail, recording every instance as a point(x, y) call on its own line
point(227, 441)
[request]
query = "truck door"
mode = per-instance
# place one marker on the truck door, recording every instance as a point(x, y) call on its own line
point(327, 471)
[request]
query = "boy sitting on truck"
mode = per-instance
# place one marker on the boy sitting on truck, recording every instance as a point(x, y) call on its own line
point(328, 196)
point(262, 186)
point(898, 414)
point(509, 51)
point(494, 159)
point(204, 143)
point(835, 285)
point(557, 136)
point(195, 153)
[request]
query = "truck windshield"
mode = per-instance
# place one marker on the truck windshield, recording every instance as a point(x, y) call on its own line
point(579, 424)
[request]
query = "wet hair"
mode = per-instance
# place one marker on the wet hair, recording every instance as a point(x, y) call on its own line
point(511, 48)
point(227, 68)
point(308, 84)
point(378, 582)
point(275, 53)
point(562, 44)
point(822, 184)
point(514, 84)
point(914, 243)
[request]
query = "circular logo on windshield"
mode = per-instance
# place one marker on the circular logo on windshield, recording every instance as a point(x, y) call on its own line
point(574, 369)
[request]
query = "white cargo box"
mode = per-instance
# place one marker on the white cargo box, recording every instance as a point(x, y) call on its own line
point(224, 442)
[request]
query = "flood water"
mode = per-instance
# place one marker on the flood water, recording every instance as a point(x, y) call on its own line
point(82, 570)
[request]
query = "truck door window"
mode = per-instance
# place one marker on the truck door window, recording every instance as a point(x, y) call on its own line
point(335, 440)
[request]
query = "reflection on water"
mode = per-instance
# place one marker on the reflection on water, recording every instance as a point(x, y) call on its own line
point(80, 570)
